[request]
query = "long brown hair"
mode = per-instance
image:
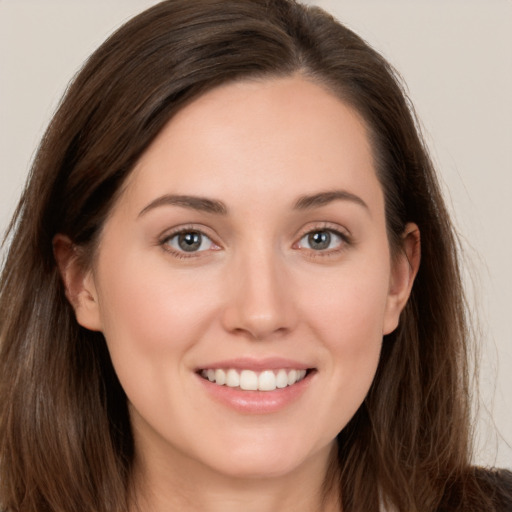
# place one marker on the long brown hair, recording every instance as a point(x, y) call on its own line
point(65, 435)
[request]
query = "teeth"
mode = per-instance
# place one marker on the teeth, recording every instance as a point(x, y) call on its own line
point(267, 380)
point(220, 377)
point(292, 377)
point(281, 379)
point(232, 378)
point(249, 380)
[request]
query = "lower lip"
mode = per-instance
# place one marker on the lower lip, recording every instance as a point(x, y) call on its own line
point(257, 402)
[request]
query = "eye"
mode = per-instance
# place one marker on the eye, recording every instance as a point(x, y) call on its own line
point(189, 241)
point(321, 240)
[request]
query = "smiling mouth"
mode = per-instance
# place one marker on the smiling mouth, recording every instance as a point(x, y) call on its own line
point(249, 380)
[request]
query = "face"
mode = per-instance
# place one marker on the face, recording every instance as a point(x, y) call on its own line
point(244, 282)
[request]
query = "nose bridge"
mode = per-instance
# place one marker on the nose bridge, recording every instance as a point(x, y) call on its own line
point(259, 299)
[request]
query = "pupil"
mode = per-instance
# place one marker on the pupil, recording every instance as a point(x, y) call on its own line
point(319, 240)
point(189, 241)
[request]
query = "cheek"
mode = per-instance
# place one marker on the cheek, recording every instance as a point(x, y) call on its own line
point(349, 304)
point(152, 320)
point(150, 317)
point(347, 314)
point(148, 300)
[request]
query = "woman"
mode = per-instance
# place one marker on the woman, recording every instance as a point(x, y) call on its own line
point(213, 297)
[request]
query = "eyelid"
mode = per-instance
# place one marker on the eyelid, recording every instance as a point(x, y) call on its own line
point(338, 230)
point(311, 227)
point(162, 240)
point(324, 226)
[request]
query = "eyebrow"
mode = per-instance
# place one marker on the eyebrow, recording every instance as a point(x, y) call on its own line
point(202, 204)
point(316, 200)
point(217, 207)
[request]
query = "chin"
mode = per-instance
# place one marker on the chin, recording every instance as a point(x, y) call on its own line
point(260, 460)
point(258, 468)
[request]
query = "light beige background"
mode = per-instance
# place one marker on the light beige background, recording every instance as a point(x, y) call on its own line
point(455, 56)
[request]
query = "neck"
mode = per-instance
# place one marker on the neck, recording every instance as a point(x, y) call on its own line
point(187, 485)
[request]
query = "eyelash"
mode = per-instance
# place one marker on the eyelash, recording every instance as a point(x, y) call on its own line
point(166, 239)
point(345, 241)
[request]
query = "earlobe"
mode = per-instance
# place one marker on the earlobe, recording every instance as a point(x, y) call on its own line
point(78, 283)
point(404, 269)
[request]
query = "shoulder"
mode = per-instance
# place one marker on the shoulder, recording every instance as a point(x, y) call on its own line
point(497, 485)
point(479, 490)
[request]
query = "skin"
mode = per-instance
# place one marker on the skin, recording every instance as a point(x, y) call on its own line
point(257, 288)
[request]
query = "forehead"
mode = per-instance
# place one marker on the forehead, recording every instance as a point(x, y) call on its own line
point(284, 136)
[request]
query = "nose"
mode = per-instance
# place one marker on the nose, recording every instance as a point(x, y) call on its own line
point(260, 301)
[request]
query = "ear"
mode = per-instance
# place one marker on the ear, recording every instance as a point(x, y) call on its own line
point(403, 272)
point(78, 283)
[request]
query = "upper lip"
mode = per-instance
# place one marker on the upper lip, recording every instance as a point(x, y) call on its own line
point(260, 364)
